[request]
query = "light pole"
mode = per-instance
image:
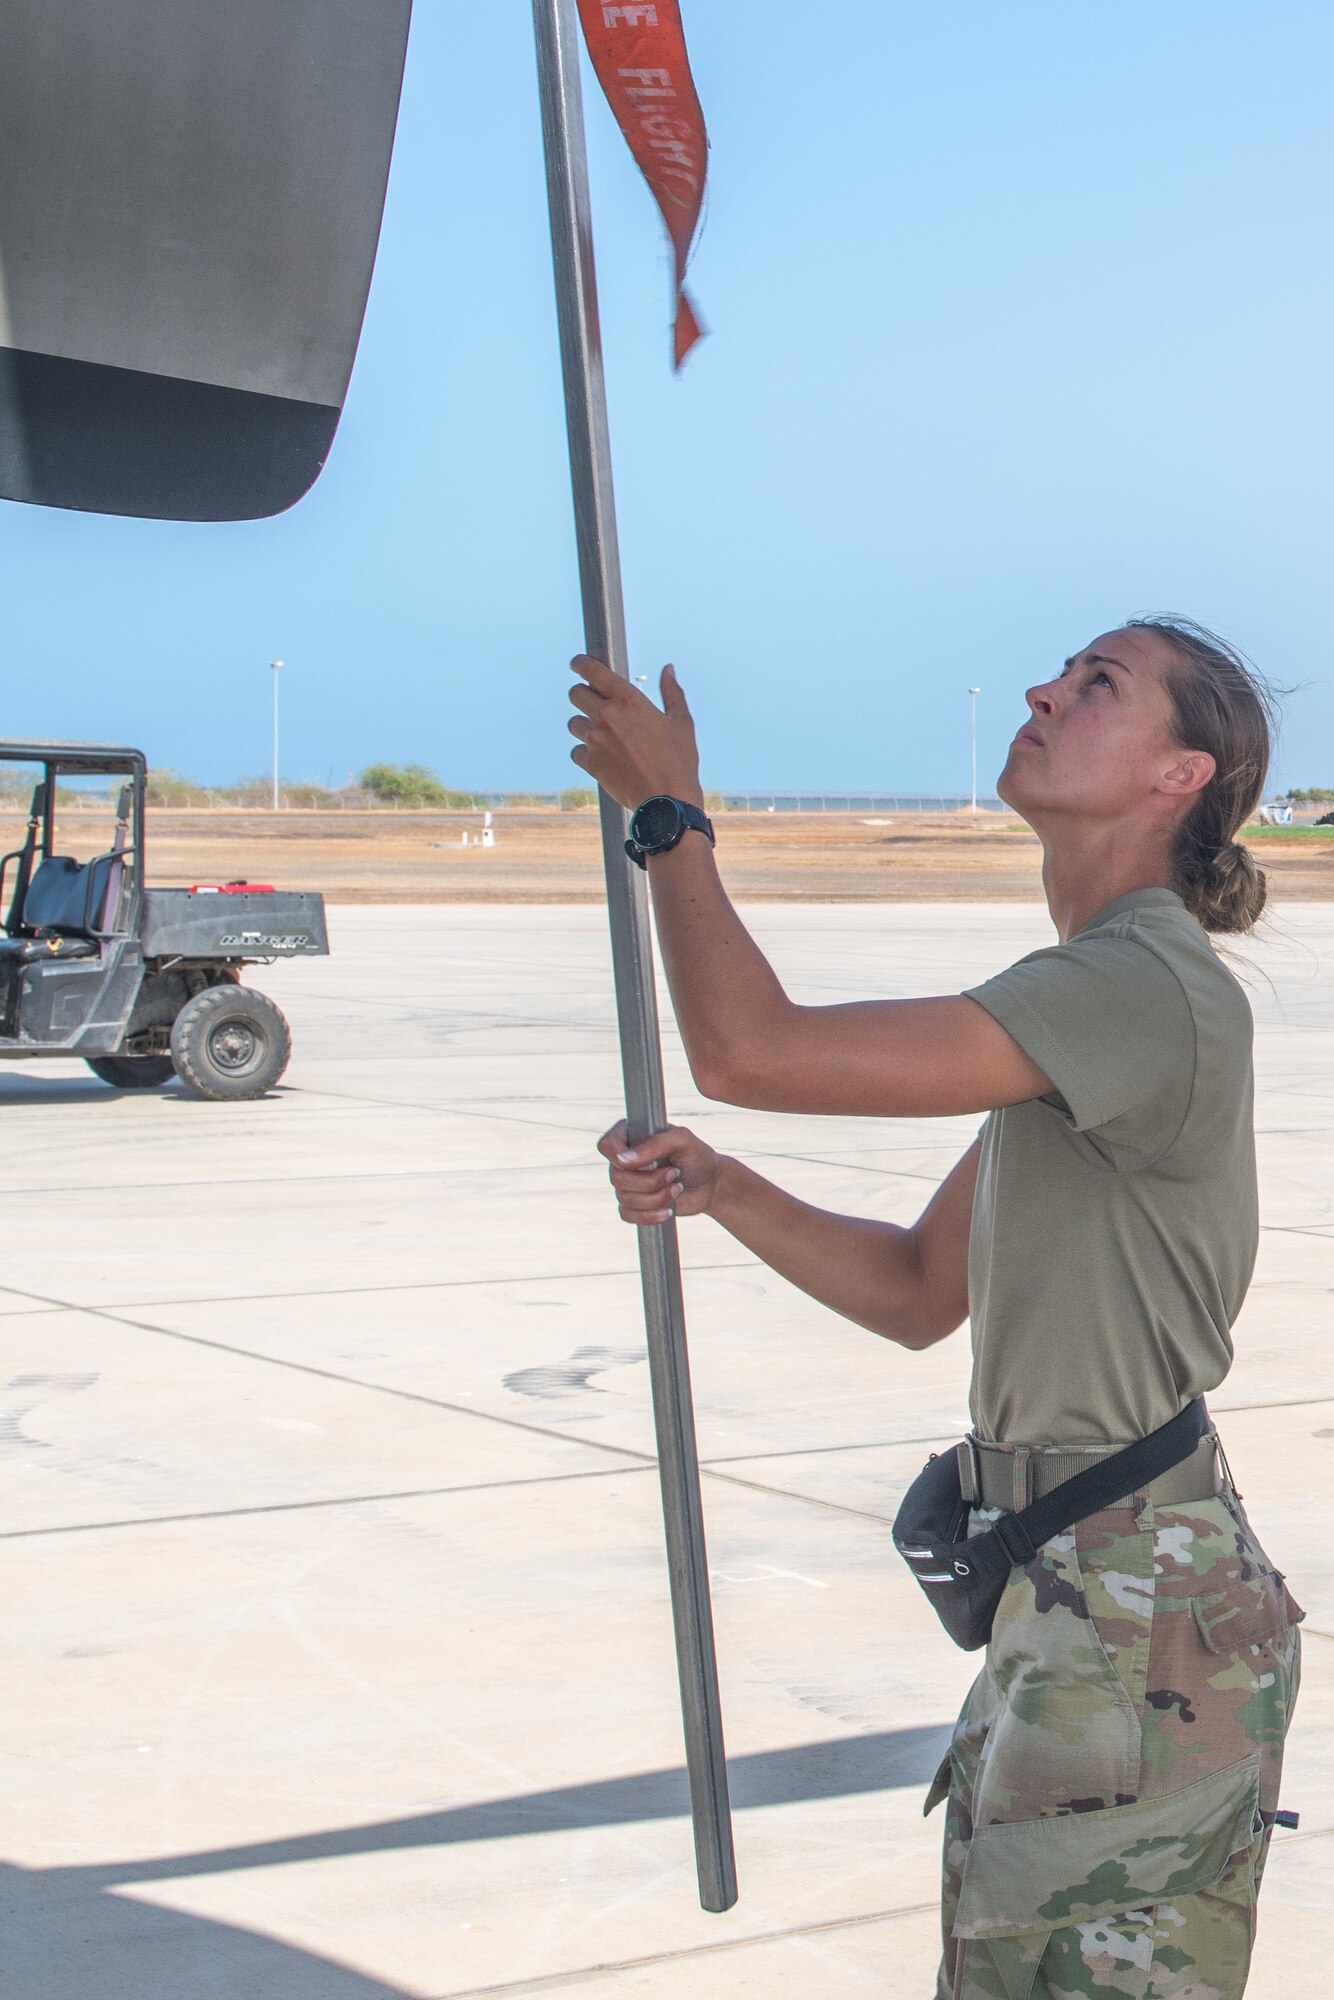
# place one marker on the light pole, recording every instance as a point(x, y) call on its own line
point(276, 665)
point(973, 693)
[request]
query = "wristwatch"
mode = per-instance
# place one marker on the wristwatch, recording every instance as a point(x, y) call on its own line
point(659, 823)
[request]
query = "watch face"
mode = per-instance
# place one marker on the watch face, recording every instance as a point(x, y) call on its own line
point(657, 824)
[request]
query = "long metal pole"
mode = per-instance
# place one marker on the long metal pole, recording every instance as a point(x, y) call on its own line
point(276, 666)
point(632, 949)
point(973, 693)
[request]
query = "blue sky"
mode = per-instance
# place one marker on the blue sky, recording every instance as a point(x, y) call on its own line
point(1023, 320)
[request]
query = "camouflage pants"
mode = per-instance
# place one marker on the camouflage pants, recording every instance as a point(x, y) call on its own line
point(1113, 1775)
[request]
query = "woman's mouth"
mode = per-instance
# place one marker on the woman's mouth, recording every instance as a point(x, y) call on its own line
point(1029, 735)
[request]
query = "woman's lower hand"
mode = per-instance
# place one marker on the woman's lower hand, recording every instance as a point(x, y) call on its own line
point(634, 749)
point(673, 1173)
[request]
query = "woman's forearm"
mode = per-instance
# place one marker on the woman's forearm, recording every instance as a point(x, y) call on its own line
point(870, 1272)
point(727, 997)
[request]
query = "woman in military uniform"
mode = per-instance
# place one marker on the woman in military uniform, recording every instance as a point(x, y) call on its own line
point(1112, 1780)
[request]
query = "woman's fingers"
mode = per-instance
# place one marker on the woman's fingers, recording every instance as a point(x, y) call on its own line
point(587, 699)
point(644, 1181)
point(614, 1141)
point(649, 1179)
point(596, 673)
point(647, 1168)
point(648, 1208)
point(673, 694)
point(671, 1139)
point(626, 741)
point(602, 684)
point(646, 1195)
point(634, 1201)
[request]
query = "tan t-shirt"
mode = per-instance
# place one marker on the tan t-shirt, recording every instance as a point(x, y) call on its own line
point(1115, 1224)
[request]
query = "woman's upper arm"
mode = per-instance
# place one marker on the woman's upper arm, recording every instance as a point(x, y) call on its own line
point(878, 1058)
point(941, 1235)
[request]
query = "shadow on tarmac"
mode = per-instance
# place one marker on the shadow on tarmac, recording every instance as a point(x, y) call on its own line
point(91, 1090)
point(70, 1934)
point(65, 1941)
point(76, 1089)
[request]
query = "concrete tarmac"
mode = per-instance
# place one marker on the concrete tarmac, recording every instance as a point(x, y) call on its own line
point(337, 1658)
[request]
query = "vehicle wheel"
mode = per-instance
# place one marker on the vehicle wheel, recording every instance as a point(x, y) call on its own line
point(230, 1041)
point(132, 1072)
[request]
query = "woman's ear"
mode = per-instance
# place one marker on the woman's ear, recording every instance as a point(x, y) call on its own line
point(1190, 773)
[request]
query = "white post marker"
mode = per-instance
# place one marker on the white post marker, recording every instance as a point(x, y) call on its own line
point(632, 950)
point(276, 666)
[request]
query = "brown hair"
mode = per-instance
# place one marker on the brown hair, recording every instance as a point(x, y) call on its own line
point(1219, 704)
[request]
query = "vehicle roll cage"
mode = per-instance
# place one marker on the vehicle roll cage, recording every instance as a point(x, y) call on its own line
point(87, 760)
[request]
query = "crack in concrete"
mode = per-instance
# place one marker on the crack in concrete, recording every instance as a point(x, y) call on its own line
point(332, 1500)
point(551, 1981)
point(359, 1291)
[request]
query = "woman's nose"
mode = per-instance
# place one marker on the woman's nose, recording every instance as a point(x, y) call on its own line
point(1042, 699)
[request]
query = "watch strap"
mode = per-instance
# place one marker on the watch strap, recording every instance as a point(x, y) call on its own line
point(698, 820)
point(693, 818)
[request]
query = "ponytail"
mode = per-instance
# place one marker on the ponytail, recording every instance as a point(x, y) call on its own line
point(1220, 705)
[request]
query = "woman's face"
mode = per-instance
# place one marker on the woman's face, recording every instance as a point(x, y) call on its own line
point(1099, 742)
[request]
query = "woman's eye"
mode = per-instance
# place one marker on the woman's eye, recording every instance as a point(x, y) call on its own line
point(1105, 678)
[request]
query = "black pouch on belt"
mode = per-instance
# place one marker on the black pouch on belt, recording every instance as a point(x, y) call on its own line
point(965, 1575)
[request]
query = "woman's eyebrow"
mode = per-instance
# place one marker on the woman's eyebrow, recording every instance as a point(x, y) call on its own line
point(1103, 659)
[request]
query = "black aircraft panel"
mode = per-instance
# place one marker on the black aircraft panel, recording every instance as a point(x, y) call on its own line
point(190, 203)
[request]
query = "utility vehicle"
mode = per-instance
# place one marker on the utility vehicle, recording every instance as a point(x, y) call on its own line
point(142, 984)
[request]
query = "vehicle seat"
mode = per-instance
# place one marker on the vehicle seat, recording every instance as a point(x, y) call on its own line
point(63, 898)
point(34, 951)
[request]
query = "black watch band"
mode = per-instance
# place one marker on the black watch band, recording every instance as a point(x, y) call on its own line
point(657, 826)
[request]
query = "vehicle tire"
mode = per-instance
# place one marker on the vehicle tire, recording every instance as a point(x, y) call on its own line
point(230, 1042)
point(132, 1072)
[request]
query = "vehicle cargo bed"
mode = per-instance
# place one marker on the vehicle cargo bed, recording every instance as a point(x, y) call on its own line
point(211, 923)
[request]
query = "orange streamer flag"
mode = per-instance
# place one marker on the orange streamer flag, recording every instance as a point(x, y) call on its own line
point(638, 50)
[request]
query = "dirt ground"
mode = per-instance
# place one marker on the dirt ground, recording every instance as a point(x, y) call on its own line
point(549, 857)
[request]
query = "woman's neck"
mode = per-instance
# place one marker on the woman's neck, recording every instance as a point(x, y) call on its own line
point(1085, 867)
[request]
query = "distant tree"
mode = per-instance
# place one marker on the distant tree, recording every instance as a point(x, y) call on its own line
point(413, 787)
point(310, 798)
point(576, 799)
point(169, 788)
point(1317, 795)
point(253, 793)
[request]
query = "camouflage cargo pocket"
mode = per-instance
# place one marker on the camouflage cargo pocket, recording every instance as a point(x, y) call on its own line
point(1225, 1655)
point(1209, 1552)
point(1040, 1875)
point(1254, 1610)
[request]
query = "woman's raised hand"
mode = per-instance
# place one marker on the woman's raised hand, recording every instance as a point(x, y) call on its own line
point(634, 749)
point(673, 1173)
